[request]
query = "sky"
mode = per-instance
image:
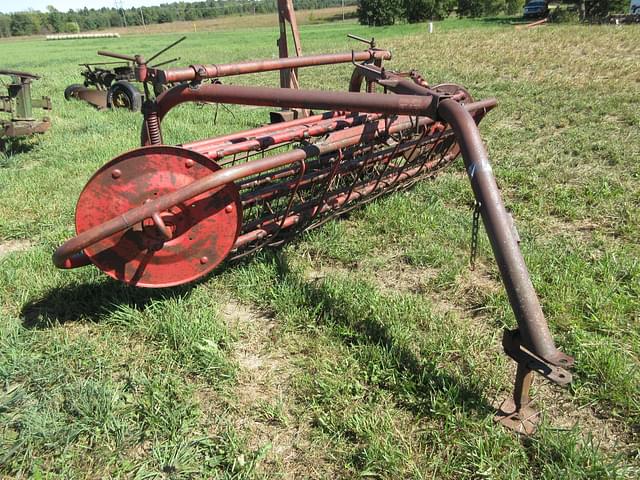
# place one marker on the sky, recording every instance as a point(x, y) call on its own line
point(7, 6)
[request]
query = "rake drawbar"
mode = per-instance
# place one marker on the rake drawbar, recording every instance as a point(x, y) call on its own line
point(161, 215)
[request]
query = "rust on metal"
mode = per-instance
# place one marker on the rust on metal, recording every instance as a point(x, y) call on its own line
point(201, 72)
point(287, 16)
point(112, 84)
point(164, 215)
point(20, 105)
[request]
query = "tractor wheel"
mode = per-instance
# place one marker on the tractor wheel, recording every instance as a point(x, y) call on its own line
point(70, 91)
point(124, 95)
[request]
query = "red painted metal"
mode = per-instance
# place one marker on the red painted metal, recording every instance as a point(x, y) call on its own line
point(160, 215)
point(170, 246)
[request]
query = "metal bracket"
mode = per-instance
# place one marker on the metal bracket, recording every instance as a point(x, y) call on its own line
point(517, 413)
point(513, 348)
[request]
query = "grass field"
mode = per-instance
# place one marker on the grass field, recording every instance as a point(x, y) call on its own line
point(367, 348)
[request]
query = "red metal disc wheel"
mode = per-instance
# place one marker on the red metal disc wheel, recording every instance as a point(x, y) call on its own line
point(186, 242)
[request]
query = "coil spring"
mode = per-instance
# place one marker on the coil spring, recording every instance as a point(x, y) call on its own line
point(153, 128)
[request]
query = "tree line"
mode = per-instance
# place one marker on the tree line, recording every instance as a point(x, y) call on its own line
point(54, 21)
point(388, 12)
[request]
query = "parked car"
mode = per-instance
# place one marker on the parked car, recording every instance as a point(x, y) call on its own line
point(536, 9)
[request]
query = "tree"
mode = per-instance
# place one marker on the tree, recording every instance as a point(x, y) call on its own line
point(70, 27)
point(596, 9)
point(514, 7)
point(24, 24)
point(166, 15)
point(379, 12)
point(481, 8)
point(421, 10)
point(5, 25)
point(115, 19)
point(54, 19)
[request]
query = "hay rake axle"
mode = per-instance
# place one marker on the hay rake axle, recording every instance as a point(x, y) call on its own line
point(161, 215)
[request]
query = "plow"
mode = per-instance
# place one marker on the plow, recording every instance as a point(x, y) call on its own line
point(165, 215)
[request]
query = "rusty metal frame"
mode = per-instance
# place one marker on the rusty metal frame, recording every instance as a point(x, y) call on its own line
point(357, 139)
point(20, 105)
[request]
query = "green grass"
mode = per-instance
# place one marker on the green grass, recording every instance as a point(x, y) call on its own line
point(366, 348)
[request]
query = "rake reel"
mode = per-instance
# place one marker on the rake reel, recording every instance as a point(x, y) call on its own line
point(160, 215)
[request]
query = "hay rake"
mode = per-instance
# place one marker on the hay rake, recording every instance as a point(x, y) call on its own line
point(163, 215)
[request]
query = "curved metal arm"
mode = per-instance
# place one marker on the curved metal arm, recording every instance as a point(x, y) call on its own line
point(416, 105)
point(522, 296)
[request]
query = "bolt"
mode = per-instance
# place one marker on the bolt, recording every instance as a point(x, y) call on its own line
point(228, 209)
point(116, 173)
point(204, 260)
point(189, 163)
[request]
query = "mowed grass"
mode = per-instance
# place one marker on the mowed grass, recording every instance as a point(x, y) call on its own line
point(367, 348)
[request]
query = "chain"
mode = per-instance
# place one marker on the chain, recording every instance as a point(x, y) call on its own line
point(475, 226)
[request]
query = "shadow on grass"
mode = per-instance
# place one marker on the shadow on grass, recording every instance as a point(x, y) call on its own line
point(420, 377)
point(336, 18)
point(90, 302)
point(516, 19)
point(11, 146)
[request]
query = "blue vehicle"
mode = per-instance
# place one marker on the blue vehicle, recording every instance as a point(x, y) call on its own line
point(536, 9)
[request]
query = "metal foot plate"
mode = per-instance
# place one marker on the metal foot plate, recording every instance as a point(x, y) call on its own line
point(523, 421)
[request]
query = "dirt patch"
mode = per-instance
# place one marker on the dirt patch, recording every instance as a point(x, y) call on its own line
point(473, 286)
point(10, 246)
point(580, 230)
point(395, 277)
point(608, 434)
point(561, 412)
point(263, 402)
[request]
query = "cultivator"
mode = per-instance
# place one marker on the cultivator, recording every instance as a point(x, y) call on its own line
point(20, 105)
point(162, 215)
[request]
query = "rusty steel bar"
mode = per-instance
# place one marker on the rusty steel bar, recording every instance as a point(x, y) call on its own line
point(522, 296)
point(200, 145)
point(318, 176)
point(331, 202)
point(283, 97)
point(63, 255)
point(215, 152)
point(286, 15)
point(198, 72)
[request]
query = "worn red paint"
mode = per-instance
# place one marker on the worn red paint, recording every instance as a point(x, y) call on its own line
point(163, 215)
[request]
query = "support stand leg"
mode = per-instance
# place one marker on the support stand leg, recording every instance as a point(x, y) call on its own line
point(516, 413)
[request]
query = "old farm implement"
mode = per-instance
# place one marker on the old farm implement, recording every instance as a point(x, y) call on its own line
point(163, 215)
point(19, 104)
point(112, 84)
